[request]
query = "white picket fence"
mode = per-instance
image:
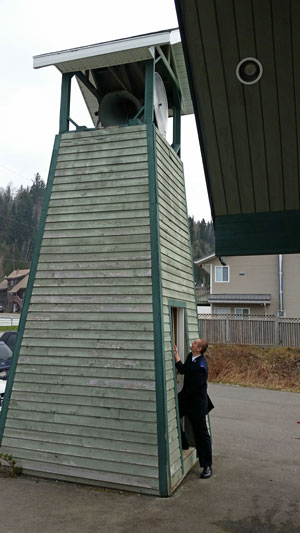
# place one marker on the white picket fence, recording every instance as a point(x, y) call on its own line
point(9, 320)
point(258, 330)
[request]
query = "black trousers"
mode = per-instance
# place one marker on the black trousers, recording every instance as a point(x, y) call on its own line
point(190, 407)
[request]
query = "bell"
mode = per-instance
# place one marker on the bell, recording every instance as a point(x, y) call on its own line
point(118, 107)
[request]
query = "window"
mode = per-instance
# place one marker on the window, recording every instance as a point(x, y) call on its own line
point(242, 311)
point(221, 274)
point(222, 310)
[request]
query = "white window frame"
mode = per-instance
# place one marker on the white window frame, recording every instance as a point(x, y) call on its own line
point(217, 310)
point(242, 309)
point(222, 270)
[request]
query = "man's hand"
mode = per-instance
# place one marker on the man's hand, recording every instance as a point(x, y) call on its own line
point(176, 354)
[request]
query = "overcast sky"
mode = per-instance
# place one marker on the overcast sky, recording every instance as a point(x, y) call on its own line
point(29, 99)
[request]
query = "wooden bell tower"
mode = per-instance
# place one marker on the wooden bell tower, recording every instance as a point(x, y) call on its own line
point(91, 395)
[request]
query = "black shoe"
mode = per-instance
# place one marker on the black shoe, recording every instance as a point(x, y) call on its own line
point(206, 473)
point(185, 446)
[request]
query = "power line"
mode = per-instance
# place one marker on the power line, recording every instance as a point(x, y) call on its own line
point(20, 223)
point(17, 173)
point(16, 260)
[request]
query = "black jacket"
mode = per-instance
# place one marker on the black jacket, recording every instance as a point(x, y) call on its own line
point(195, 382)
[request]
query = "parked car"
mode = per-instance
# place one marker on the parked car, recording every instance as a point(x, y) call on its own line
point(1, 309)
point(5, 360)
point(2, 391)
point(9, 337)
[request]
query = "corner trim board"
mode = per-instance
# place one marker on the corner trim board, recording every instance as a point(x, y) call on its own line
point(159, 352)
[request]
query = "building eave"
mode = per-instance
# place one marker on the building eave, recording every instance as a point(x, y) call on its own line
point(239, 298)
point(206, 259)
point(120, 52)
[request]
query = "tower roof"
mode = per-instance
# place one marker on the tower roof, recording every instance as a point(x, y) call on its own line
point(117, 53)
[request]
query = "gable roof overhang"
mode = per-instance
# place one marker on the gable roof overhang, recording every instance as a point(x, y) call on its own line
point(22, 284)
point(249, 133)
point(124, 55)
point(15, 274)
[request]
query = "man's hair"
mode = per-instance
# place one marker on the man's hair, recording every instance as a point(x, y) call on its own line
point(204, 345)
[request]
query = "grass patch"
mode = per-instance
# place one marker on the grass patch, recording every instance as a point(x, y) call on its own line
point(255, 366)
point(8, 328)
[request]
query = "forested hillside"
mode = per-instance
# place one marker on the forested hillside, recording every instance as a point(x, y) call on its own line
point(19, 218)
point(203, 244)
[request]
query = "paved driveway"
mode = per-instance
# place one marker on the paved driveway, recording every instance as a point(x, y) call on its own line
point(255, 487)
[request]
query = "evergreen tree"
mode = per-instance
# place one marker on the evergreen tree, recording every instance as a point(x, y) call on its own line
point(19, 219)
point(37, 192)
point(203, 244)
point(6, 204)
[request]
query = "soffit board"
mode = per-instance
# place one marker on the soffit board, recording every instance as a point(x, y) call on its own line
point(119, 52)
point(249, 134)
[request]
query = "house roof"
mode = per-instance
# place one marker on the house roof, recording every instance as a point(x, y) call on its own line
point(248, 130)
point(22, 284)
point(17, 273)
point(119, 52)
point(240, 298)
point(3, 285)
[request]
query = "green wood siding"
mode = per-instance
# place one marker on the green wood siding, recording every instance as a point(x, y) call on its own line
point(176, 274)
point(83, 403)
point(86, 399)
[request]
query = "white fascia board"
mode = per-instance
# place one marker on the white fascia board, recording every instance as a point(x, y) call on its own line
point(175, 36)
point(204, 259)
point(121, 45)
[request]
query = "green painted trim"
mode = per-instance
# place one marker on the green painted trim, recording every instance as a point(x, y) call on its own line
point(65, 100)
point(168, 70)
point(78, 128)
point(159, 352)
point(191, 256)
point(88, 85)
point(177, 124)
point(149, 92)
point(180, 303)
point(139, 113)
point(28, 293)
point(258, 233)
point(176, 303)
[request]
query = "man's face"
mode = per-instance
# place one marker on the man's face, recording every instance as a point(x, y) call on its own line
point(196, 346)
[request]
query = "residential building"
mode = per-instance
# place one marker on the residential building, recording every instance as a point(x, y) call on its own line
point(256, 285)
point(16, 287)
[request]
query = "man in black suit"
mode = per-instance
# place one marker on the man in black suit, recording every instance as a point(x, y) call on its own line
point(194, 401)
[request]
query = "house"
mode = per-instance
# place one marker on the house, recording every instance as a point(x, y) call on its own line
point(16, 287)
point(256, 285)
